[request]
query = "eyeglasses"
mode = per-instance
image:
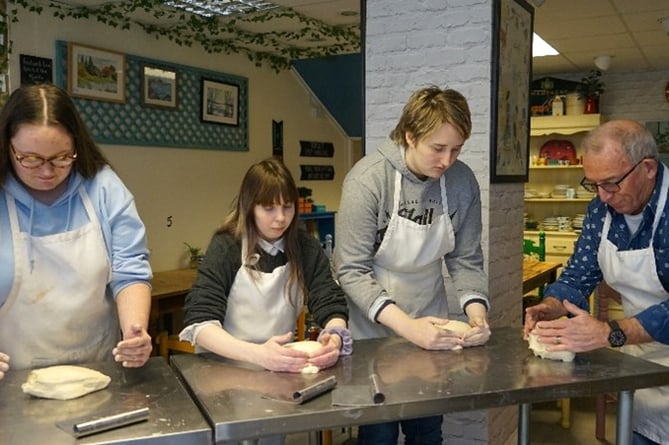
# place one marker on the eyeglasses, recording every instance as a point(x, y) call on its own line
point(609, 187)
point(32, 161)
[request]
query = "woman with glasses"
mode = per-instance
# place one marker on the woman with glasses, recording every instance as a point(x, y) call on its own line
point(75, 273)
point(625, 243)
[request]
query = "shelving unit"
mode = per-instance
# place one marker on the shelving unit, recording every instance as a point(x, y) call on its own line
point(319, 224)
point(542, 179)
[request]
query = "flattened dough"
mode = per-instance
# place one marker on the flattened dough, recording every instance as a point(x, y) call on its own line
point(539, 349)
point(64, 382)
point(310, 347)
point(457, 326)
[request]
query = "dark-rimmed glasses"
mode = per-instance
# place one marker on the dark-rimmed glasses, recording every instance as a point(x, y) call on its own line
point(609, 187)
point(33, 161)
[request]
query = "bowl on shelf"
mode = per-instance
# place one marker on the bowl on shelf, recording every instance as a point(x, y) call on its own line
point(531, 224)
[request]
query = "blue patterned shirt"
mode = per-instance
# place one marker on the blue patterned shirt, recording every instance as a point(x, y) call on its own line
point(583, 274)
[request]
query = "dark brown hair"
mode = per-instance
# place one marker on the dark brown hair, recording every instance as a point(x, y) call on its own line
point(48, 105)
point(266, 183)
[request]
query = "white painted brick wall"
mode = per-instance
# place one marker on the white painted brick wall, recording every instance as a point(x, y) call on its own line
point(448, 43)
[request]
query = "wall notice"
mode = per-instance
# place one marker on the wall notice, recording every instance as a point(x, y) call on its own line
point(317, 172)
point(316, 149)
point(35, 70)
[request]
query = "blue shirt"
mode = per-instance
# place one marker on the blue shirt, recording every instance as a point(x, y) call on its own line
point(583, 274)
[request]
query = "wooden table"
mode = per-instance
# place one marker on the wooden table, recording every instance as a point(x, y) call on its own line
point(168, 293)
point(243, 402)
point(538, 273)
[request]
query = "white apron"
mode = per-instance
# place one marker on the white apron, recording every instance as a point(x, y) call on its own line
point(58, 312)
point(257, 308)
point(408, 265)
point(634, 275)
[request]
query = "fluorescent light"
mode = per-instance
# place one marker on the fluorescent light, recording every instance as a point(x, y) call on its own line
point(209, 8)
point(541, 48)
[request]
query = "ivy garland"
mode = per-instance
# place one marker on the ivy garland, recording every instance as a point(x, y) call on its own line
point(216, 35)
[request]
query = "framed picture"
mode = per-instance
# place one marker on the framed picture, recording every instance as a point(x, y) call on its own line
point(220, 102)
point(159, 87)
point(510, 94)
point(95, 73)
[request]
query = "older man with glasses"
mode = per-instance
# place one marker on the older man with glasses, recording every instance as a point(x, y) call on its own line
point(624, 242)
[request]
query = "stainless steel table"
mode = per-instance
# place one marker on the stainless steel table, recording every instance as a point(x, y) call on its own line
point(174, 418)
point(416, 383)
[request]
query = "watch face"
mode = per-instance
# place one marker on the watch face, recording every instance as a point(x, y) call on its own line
point(617, 337)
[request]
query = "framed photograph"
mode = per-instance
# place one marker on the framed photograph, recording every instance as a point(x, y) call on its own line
point(510, 94)
point(220, 102)
point(95, 73)
point(159, 87)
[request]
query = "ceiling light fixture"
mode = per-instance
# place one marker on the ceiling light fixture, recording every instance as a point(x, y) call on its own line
point(603, 62)
point(209, 8)
point(541, 48)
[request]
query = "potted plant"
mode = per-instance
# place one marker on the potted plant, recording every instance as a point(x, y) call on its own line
point(195, 255)
point(589, 89)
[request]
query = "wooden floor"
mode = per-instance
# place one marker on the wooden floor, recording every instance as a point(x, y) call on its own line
point(545, 426)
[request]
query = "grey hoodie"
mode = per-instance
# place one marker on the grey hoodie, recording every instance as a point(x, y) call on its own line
point(365, 210)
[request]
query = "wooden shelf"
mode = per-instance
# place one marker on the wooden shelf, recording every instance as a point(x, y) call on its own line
point(556, 167)
point(564, 125)
point(558, 200)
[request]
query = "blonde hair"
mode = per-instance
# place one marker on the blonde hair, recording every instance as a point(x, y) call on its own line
point(429, 108)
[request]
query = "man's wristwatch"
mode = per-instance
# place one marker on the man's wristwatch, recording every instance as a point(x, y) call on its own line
point(617, 337)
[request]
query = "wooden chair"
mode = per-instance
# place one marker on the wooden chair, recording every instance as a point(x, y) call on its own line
point(171, 343)
point(537, 252)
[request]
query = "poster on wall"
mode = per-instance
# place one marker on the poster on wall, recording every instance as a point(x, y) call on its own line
point(277, 139)
point(510, 92)
point(317, 149)
point(317, 172)
point(35, 70)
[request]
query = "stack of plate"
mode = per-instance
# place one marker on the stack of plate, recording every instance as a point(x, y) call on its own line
point(577, 222)
point(560, 191)
point(550, 223)
point(531, 193)
point(581, 193)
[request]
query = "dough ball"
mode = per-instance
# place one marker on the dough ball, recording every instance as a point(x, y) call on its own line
point(310, 347)
point(457, 326)
point(539, 349)
point(64, 382)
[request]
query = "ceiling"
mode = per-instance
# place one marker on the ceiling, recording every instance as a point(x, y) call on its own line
point(629, 31)
point(580, 30)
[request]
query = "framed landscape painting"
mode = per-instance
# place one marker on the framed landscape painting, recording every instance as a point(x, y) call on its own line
point(95, 73)
point(159, 87)
point(220, 102)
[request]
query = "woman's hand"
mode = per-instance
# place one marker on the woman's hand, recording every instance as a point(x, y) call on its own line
point(328, 355)
point(274, 356)
point(135, 348)
point(4, 364)
point(479, 334)
point(423, 332)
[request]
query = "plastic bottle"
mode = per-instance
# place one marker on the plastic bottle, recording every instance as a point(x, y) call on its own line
point(558, 106)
